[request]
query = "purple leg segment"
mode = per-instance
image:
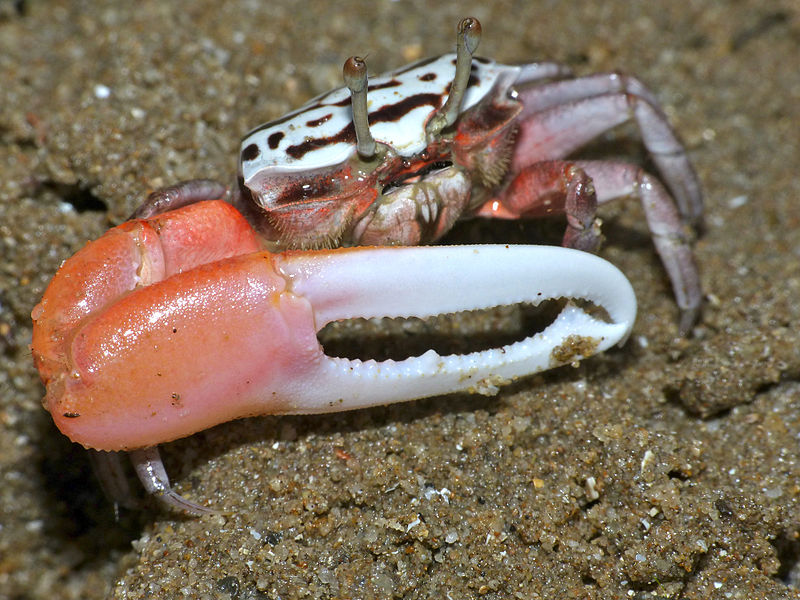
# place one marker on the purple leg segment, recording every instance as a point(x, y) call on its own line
point(151, 472)
point(670, 236)
point(178, 195)
point(575, 189)
point(560, 117)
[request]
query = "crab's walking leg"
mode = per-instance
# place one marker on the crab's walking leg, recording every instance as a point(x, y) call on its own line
point(559, 118)
point(670, 235)
point(551, 95)
point(536, 72)
point(179, 195)
point(576, 188)
point(151, 472)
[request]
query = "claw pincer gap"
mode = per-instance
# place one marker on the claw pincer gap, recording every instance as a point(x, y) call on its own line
point(463, 332)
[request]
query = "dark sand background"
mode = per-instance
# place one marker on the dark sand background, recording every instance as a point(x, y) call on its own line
point(693, 445)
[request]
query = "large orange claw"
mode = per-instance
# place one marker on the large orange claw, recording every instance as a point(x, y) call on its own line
point(167, 326)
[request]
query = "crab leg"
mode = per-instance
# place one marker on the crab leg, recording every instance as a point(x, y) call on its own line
point(542, 97)
point(537, 71)
point(560, 129)
point(180, 195)
point(576, 188)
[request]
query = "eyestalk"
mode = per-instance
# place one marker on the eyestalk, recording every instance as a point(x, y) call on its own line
point(355, 78)
point(468, 38)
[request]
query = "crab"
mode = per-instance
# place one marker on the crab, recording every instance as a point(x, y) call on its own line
point(398, 160)
point(204, 306)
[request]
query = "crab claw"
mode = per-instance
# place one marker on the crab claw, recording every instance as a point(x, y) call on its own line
point(171, 325)
point(424, 282)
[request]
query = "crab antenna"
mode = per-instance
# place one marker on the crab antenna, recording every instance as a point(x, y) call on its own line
point(355, 78)
point(468, 38)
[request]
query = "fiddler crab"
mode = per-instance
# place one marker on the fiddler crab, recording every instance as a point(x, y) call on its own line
point(205, 306)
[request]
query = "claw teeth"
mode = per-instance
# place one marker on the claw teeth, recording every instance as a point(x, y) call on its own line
point(480, 372)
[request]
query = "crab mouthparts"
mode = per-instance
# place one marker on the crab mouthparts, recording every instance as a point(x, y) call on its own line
point(425, 282)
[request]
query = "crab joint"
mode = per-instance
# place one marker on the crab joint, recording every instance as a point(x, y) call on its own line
point(468, 38)
point(355, 78)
